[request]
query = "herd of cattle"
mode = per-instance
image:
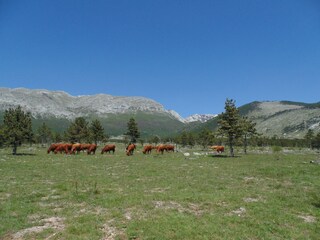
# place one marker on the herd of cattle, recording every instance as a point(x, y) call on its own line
point(69, 148)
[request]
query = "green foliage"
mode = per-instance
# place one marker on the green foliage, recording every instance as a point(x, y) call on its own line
point(133, 131)
point(78, 131)
point(230, 123)
point(155, 140)
point(309, 137)
point(44, 134)
point(248, 131)
point(206, 138)
point(97, 131)
point(17, 127)
point(316, 141)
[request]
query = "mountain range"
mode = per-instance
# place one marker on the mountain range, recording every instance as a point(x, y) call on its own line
point(58, 109)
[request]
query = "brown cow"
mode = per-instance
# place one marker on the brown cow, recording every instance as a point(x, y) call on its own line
point(108, 148)
point(161, 148)
point(85, 146)
point(219, 149)
point(147, 149)
point(169, 148)
point(92, 149)
point(66, 147)
point(130, 148)
point(75, 148)
point(52, 147)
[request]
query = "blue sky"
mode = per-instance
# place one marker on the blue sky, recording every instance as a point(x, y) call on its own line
point(188, 55)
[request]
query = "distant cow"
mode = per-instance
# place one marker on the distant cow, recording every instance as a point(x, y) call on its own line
point(85, 146)
point(130, 148)
point(92, 149)
point(169, 148)
point(219, 149)
point(75, 148)
point(147, 149)
point(52, 147)
point(108, 148)
point(165, 147)
point(63, 147)
point(161, 148)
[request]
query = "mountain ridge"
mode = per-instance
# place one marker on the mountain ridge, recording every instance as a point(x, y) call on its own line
point(281, 118)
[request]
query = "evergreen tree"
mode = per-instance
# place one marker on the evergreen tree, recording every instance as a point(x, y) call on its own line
point(44, 134)
point(229, 124)
point(97, 131)
point(16, 127)
point(2, 138)
point(309, 137)
point(155, 140)
point(191, 141)
point(248, 131)
point(184, 139)
point(57, 137)
point(78, 131)
point(206, 138)
point(316, 141)
point(133, 131)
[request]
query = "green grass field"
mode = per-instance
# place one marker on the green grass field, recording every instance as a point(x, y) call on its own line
point(257, 196)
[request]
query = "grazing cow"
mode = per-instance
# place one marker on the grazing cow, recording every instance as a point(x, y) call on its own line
point(66, 147)
point(52, 147)
point(161, 148)
point(219, 149)
point(130, 148)
point(75, 148)
point(169, 148)
point(147, 149)
point(92, 149)
point(85, 146)
point(108, 148)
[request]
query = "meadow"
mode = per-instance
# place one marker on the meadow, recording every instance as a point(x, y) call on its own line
point(169, 196)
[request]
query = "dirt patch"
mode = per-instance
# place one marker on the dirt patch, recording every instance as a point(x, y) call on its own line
point(55, 223)
point(252, 200)
point(308, 218)
point(157, 190)
point(111, 232)
point(240, 212)
point(191, 208)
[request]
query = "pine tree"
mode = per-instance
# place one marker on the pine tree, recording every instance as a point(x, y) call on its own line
point(78, 130)
point(16, 127)
point(205, 138)
point(133, 131)
point(97, 131)
point(184, 139)
point(229, 124)
point(44, 134)
point(248, 130)
point(316, 141)
point(309, 137)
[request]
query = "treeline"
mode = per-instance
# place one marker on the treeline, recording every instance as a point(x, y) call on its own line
point(207, 138)
point(233, 130)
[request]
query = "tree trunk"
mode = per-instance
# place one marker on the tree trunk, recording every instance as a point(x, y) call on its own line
point(231, 146)
point(14, 149)
point(245, 144)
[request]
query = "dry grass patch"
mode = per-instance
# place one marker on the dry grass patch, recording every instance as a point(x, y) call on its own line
point(55, 223)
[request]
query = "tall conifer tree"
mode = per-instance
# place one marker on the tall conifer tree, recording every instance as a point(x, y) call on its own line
point(16, 127)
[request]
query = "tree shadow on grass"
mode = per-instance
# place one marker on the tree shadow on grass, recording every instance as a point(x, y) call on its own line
point(316, 204)
point(23, 154)
point(222, 156)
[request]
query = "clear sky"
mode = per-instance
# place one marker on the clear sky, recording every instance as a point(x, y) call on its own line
point(189, 55)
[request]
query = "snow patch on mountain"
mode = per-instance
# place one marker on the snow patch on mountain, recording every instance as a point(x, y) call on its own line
point(200, 117)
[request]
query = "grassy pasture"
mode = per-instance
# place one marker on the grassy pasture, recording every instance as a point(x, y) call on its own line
point(257, 196)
